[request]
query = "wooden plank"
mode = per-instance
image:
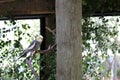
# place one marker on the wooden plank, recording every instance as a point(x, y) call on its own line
point(32, 7)
point(69, 44)
point(27, 7)
point(4, 1)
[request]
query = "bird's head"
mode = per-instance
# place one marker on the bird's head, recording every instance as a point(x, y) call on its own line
point(40, 38)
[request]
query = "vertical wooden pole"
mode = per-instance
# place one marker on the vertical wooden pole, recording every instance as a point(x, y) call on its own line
point(68, 38)
point(42, 32)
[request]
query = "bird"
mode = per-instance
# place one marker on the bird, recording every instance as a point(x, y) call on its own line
point(34, 46)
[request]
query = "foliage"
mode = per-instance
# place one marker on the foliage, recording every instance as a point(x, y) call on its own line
point(98, 35)
point(11, 46)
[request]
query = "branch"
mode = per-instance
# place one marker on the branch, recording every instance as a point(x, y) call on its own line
point(32, 69)
point(30, 60)
point(41, 52)
point(46, 50)
point(52, 31)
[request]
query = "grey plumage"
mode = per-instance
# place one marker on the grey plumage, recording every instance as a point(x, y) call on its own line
point(32, 47)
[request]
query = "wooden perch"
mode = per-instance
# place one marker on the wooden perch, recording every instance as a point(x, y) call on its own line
point(46, 50)
point(29, 61)
point(50, 47)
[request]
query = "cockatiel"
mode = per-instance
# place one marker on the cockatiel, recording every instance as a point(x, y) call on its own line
point(32, 47)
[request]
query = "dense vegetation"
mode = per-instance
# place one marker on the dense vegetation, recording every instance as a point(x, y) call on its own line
point(99, 34)
point(11, 45)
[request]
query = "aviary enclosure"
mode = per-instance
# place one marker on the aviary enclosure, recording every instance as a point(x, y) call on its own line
point(73, 45)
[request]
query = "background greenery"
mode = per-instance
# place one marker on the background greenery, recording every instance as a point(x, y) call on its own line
point(99, 36)
point(11, 45)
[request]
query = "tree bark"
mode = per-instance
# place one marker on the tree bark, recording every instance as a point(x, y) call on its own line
point(68, 38)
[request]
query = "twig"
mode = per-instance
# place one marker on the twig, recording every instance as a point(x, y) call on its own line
point(46, 50)
point(32, 69)
point(30, 60)
point(52, 31)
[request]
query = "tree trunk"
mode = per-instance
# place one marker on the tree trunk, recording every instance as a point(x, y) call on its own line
point(68, 38)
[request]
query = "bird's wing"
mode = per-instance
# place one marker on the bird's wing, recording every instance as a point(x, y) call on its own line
point(21, 55)
point(29, 49)
point(32, 45)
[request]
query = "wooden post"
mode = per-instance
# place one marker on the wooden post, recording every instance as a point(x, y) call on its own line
point(68, 38)
point(46, 70)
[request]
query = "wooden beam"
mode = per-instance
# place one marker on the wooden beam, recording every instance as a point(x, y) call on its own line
point(27, 7)
point(69, 39)
point(5, 1)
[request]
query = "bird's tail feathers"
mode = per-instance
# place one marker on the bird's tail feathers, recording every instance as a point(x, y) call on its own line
point(22, 54)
